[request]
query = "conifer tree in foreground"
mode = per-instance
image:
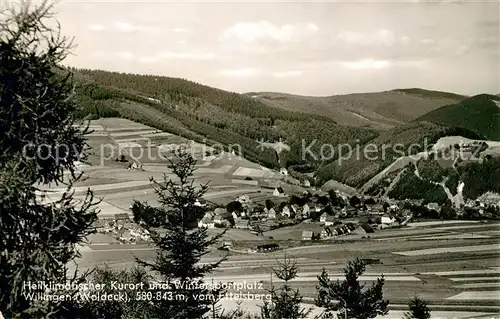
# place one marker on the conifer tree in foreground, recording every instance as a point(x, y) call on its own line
point(285, 301)
point(417, 309)
point(180, 244)
point(39, 142)
point(351, 298)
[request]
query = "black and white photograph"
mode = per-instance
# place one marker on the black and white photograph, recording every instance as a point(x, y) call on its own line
point(249, 159)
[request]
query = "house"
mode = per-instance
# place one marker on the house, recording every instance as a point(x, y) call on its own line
point(363, 229)
point(206, 223)
point(318, 208)
point(280, 216)
point(227, 245)
point(242, 224)
point(329, 221)
point(350, 227)
point(235, 216)
point(286, 211)
point(328, 232)
point(387, 220)
point(133, 166)
point(394, 208)
point(209, 215)
point(295, 208)
point(218, 219)
point(244, 199)
point(322, 218)
point(339, 231)
point(267, 247)
point(271, 214)
point(278, 192)
point(200, 203)
point(307, 235)
point(376, 209)
point(306, 183)
point(434, 206)
point(125, 236)
point(351, 211)
point(122, 216)
point(283, 171)
point(360, 231)
point(306, 210)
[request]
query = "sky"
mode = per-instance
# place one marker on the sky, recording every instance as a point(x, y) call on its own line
point(307, 48)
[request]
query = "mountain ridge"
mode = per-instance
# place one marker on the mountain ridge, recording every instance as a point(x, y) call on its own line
point(479, 113)
point(217, 117)
point(378, 110)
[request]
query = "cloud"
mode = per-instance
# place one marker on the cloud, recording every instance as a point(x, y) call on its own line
point(427, 41)
point(382, 36)
point(154, 58)
point(149, 59)
point(126, 55)
point(96, 27)
point(366, 64)
point(374, 64)
point(264, 30)
point(286, 74)
point(187, 56)
point(124, 26)
point(128, 27)
point(244, 72)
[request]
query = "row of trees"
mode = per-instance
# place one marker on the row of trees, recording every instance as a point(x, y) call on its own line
point(38, 239)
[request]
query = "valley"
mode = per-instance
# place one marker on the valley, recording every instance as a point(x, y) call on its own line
point(411, 258)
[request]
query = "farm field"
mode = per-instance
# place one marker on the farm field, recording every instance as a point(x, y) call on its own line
point(140, 144)
point(447, 263)
point(462, 278)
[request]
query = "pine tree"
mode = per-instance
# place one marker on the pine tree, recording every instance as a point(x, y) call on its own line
point(39, 142)
point(285, 301)
point(417, 309)
point(180, 245)
point(351, 298)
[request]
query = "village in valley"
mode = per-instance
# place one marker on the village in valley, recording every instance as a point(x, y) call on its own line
point(321, 215)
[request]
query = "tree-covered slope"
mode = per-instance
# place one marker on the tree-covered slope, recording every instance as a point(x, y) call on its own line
point(378, 110)
point(479, 177)
point(371, 158)
point(480, 113)
point(207, 114)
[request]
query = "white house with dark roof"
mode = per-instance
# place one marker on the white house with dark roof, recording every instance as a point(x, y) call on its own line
point(206, 223)
point(322, 218)
point(286, 211)
point(329, 220)
point(271, 214)
point(307, 235)
point(306, 210)
point(278, 192)
point(387, 220)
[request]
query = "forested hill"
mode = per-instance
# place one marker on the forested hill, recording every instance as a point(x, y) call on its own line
point(379, 110)
point(200, 112)
point(480, 113)
point(170, 89)
point(215, 116)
